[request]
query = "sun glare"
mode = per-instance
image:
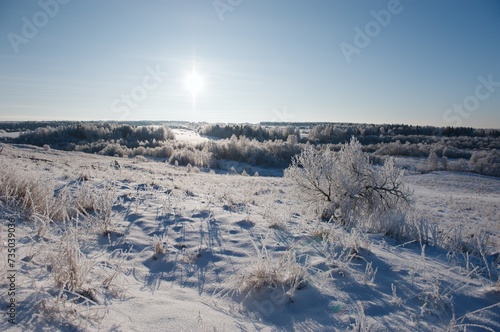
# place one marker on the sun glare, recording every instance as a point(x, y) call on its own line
point(194, 83)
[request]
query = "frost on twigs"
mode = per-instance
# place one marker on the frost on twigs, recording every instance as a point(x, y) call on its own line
point(344, 186)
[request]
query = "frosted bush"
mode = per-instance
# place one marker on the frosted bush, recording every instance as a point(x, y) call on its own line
point(344, 186)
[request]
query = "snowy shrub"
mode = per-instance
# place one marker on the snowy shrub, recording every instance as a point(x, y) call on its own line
point(46, 147)
point(343, 186)
point(432, 161)
point(399, 149)
point(140, 158)
point(460, 165)
point(114, 150)
point(486, 163)
point(190, 155)
point(444, 162)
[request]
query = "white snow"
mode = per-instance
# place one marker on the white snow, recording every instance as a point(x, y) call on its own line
point(216, 228)
point(188, 135)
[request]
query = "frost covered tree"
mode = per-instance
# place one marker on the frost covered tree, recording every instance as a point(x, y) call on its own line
point(344, 186)
point(432, 161)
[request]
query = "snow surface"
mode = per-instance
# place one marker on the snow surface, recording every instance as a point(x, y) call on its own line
point(191, 136)
point(13, 134)
point(213, 229)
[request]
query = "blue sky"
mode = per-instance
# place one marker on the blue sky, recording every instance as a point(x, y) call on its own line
point(417, 62)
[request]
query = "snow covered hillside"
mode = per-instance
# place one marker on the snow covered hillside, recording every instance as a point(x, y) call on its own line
point(131, 244)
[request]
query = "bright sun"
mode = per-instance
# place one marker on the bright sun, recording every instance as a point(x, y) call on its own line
point(194, 83)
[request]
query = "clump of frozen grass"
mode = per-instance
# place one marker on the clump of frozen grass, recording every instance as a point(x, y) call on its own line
point(277, 218)
point(396, 300)
point(31, 196)
point(320, 233)
point(85, 198)
point(100, 205)
point(353, 241)
point(403, 224)
point(37, 196)
point(460, 248)
point(168, 203)
point(159, 244)
point(75, 274)
point(266, 270)
point(60, 310)
point(436, 300)
point(341, 248)
point(69, 266)
point(370, 273)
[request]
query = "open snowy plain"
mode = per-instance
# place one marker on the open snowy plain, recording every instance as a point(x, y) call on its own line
point(119, 244)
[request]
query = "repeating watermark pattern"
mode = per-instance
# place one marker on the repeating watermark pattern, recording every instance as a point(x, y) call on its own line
point(471, 103)
point(138, 93)
point(11, 271)
point(30, 28)
point(275, 299)
point(363, 37)
point(282, 115)
point(223, 6)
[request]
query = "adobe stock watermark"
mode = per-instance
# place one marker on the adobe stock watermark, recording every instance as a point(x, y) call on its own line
point(282, 115)
point(363, 37)
point(30, 28)
point(276, 298)
point(138, 93)
point(223, 6)
point(471, 103)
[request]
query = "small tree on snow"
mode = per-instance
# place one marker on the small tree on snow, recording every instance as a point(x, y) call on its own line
point(432, 161)
point(344, 185)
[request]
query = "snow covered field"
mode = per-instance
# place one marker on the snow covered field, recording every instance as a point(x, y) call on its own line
point(158, 247)
point(14, 134)
point(187, 135)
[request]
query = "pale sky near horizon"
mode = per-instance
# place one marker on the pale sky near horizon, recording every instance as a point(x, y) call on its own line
point(415, 62)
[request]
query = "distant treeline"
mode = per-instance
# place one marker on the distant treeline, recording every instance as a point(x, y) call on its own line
point(257, 132)
point(340, 133)
point(10, 126)
point(67, 136)
point(324, 131)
